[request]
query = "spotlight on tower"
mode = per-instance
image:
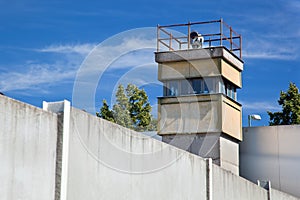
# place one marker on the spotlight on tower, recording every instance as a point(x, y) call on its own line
point(196, 40)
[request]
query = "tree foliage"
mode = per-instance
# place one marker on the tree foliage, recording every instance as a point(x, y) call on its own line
point(132, 109)
point(139, 107)
point(121, 109)
point(105, 112)
point(290, 102)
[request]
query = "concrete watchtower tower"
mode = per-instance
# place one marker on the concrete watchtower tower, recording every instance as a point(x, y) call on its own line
point(199, 111)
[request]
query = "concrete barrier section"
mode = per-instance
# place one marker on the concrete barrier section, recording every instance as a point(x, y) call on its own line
point(27, 151)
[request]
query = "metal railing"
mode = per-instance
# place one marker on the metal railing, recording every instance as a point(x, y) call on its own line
point(224, 36)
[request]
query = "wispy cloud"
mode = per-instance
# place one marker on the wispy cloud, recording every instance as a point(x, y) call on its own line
point(35, 77)
point(82, 49)
point(122, 53)
point(271, 33)
point(268, 55)
point(270, 49)
point(29, 75)
point(260, 106)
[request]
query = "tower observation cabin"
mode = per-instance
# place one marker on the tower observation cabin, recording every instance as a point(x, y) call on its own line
point(200, 65)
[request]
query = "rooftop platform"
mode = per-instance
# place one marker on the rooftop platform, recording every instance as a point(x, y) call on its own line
point(215, 33)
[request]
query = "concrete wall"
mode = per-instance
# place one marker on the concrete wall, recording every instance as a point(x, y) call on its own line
point(189, 114)
point(231, 118)
point(199, 63)
point(231, 73)
point(27, 151)
point(107, 161)
point(191, 69)
point(199, 114)
point(79, 156)
point(272, 153)
point(227, 186)
point(277, 195)
point(220, 149)
point(229, 155)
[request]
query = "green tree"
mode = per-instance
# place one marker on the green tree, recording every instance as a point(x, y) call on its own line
point(290, 102)
point(139, 107)
point(153, 124)
point(132, 109)
point(105, 112)
point(120, 110)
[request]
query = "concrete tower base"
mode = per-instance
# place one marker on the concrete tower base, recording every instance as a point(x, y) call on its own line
point(223, 150)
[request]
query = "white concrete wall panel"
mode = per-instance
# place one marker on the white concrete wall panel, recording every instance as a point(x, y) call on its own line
point(107, 161)
point(27, 151)
point(277, 195)
point(272, 153)
point(227, 186)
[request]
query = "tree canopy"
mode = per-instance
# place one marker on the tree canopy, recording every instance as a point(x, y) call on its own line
point(132, 109)
point(105, 113)
point(290, 102)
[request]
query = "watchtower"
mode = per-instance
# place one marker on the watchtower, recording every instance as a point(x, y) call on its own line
point(200, 66)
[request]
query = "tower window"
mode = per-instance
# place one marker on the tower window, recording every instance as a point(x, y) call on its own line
point(171, 88)
point(207, 85)
point(185, 87)
point(197, 86)
point(231, 91)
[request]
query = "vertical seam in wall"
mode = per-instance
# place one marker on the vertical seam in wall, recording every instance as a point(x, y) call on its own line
point(278, 158)
point(209, 179)
point(58, 165)
point(269, 191)
point(65, 149)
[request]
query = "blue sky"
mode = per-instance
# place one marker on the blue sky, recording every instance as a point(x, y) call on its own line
point(44, 44)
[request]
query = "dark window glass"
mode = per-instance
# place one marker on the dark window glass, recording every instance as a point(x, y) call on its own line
point(209, 85)
point(173, 88)
point(185, 87)
point(197, 86)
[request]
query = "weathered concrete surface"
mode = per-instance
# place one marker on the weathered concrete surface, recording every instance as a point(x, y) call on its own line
point(27, 151)
point(229, 155)
point(227, 186)
point(107, 161)
point(272, 153)
point(220, 149)
point(199, 114)
point(62, 109)
point(277, 195)
point(195, 54)
point(96, 159)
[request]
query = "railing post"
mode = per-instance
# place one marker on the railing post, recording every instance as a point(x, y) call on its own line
point(230, 38)
point(157, 37)
point(189, 32)
point(240, 47)
point(221, 32)
point(170, 42)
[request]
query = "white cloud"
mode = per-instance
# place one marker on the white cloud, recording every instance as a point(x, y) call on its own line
point(268, 55)
point(82, 49)
point(29, 75)
point(134, 59)
point(118, 53)
point(260, 106)
point(36, 76)
point(270, 47)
